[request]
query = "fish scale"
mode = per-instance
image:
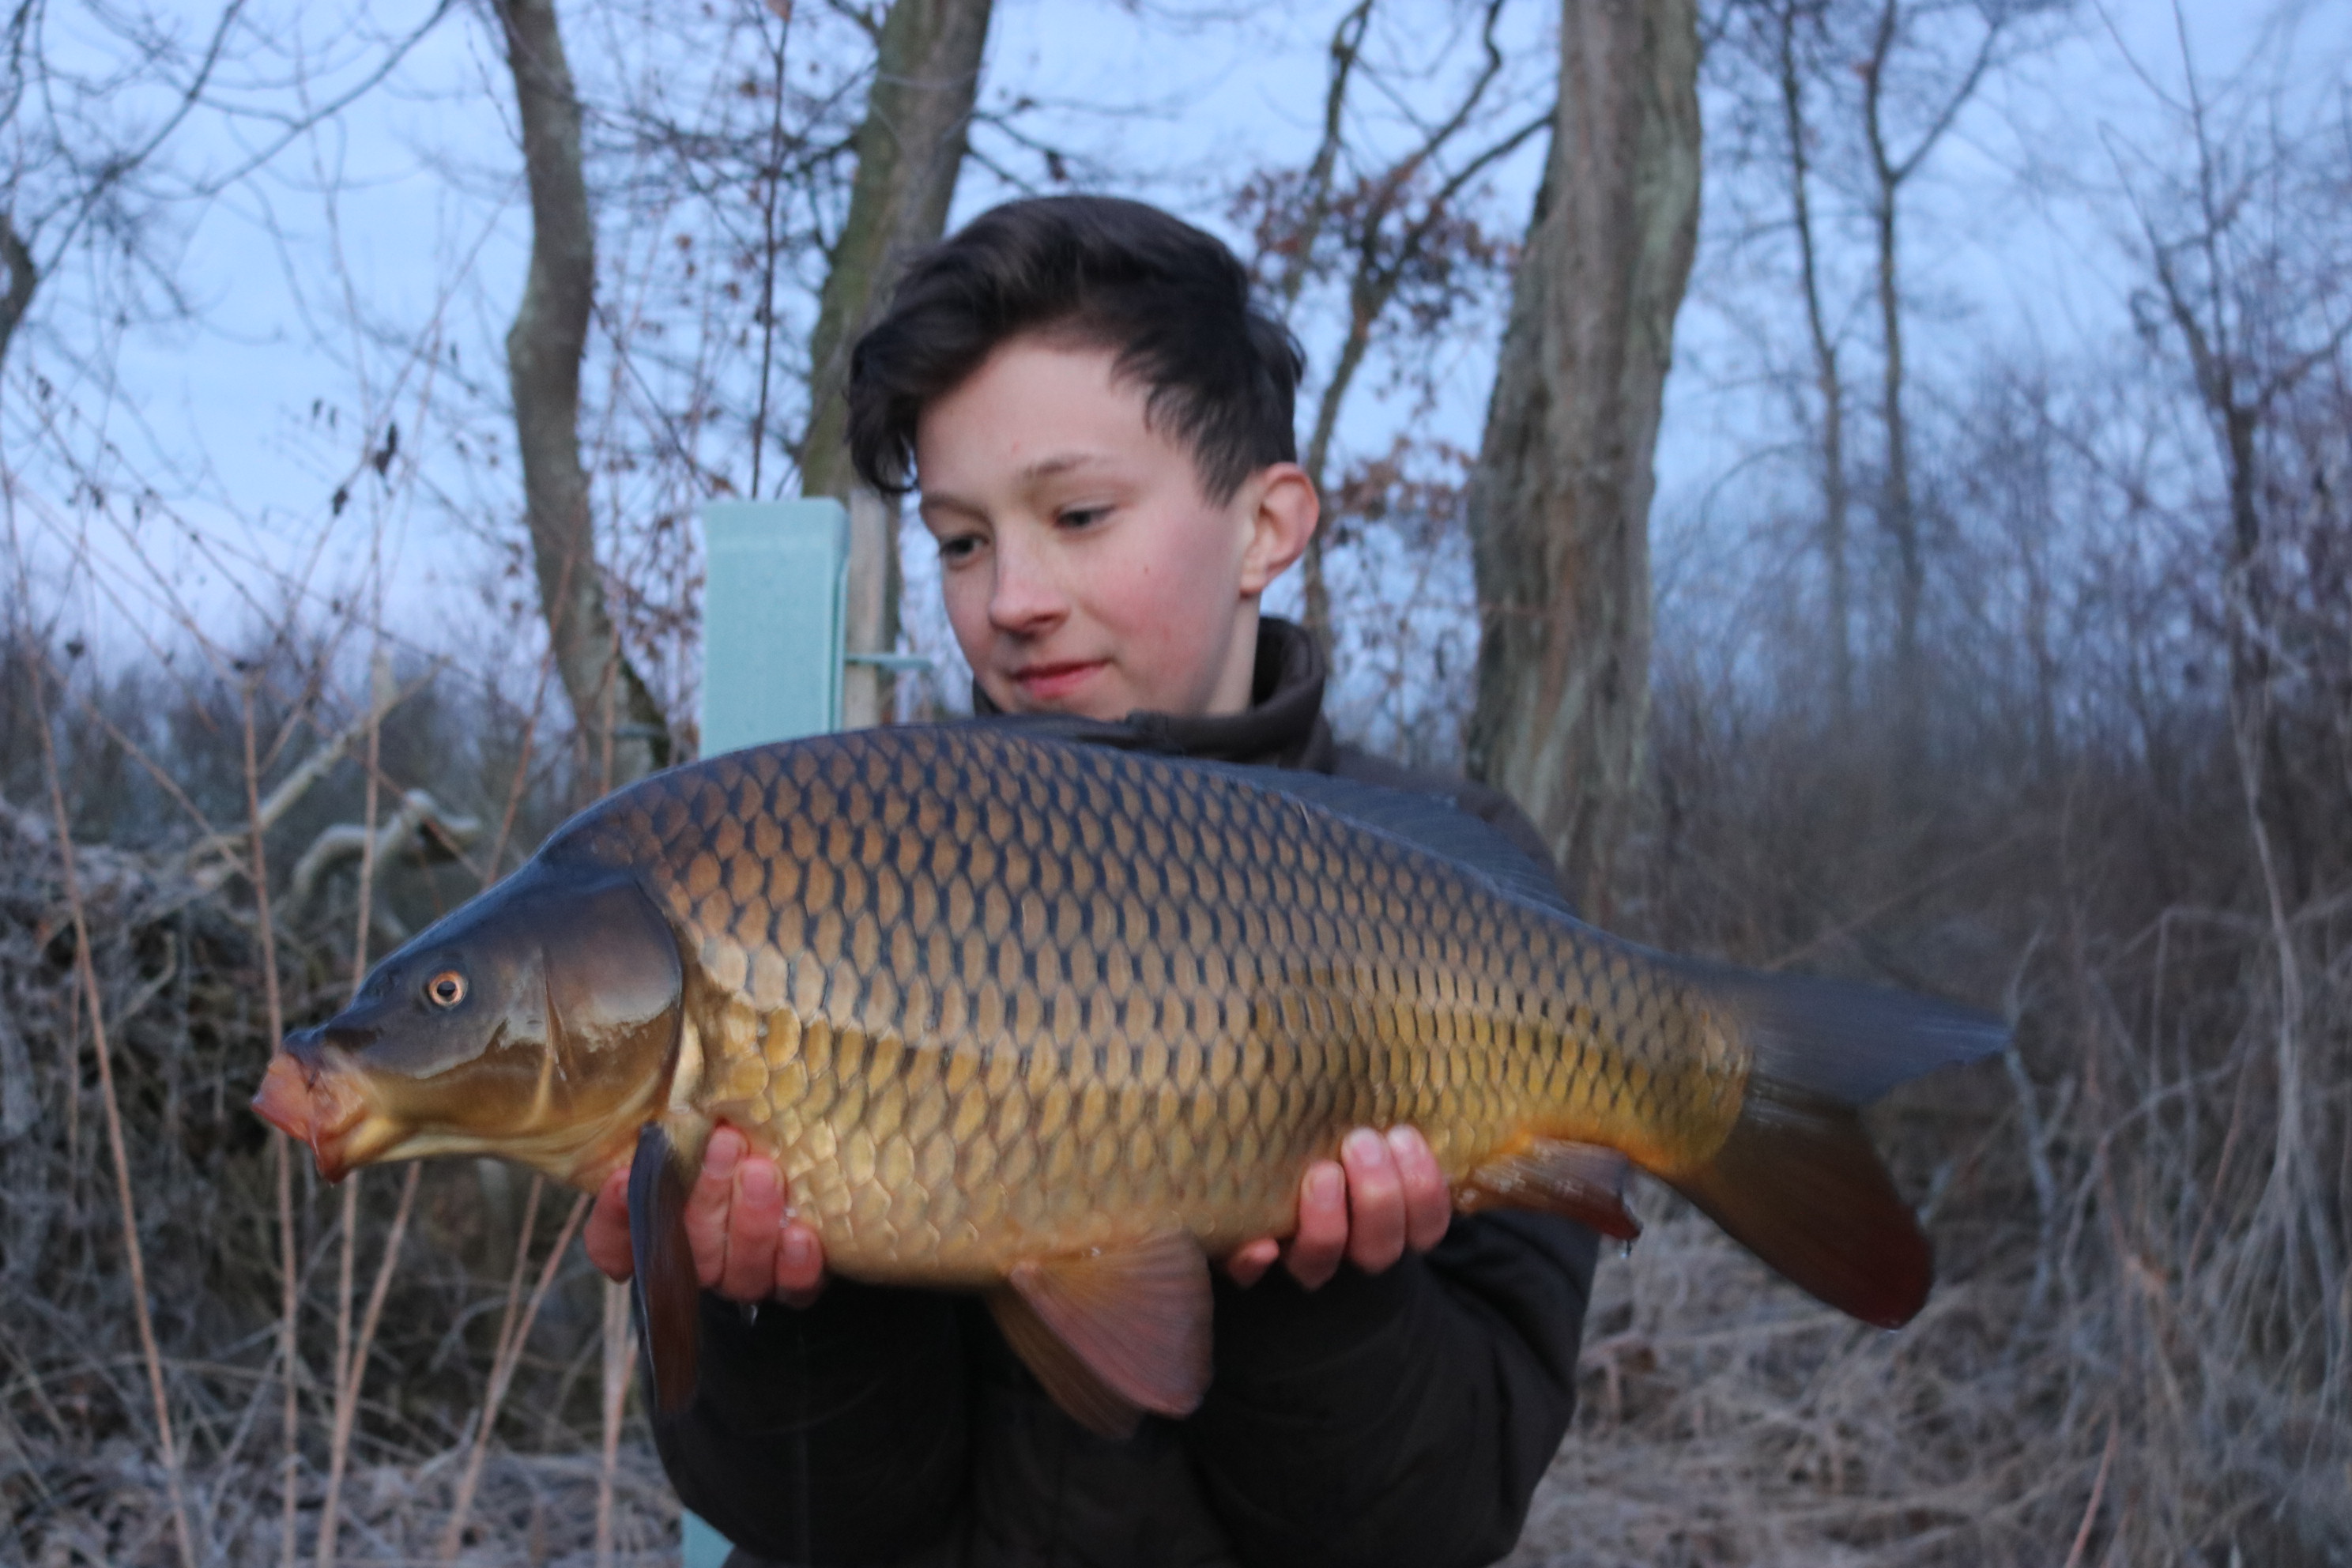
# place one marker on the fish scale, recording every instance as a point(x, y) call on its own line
point(1058, 1021)
point(1172, 986)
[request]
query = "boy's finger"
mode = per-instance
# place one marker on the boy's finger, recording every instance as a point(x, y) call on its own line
point(752, 1227)
point(1376, 1223)
point(606, 1234)
point(1428, 1201)
point(1314, 1254)
point(1249, 1263)
point(708, 1204)
point(799, 1264)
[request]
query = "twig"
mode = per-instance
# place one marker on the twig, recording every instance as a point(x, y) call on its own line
point(211, 861)
point(2098, 1492)
point(501, 1375)
point(620, 1360)
point(491, 1391)
point(282, 1155)
point(373, 1317)
point(347, 1392)
point(88, 968)
point(490, 872)
point(381, 695)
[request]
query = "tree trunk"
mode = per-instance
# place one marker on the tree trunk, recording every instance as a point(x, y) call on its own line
point(910, 150)
point(1827, 377)
point(1366, 300)
point(624, 731)
point(1559, 503)
point(24, 277)
point(1898, 508)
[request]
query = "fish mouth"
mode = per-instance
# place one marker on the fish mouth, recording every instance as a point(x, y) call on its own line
point(313, 1102)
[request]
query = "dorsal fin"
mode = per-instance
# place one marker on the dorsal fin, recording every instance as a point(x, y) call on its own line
point(1427, 822)
point(1430, 823)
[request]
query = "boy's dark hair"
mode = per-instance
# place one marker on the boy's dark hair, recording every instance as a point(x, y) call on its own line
point(1170, 301)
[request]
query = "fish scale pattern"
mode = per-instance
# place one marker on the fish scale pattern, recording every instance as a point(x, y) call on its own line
point(989, 996)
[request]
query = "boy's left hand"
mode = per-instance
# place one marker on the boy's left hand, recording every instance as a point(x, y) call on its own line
point(1384, 1195)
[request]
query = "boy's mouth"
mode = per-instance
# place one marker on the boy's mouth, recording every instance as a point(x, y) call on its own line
point(1051, 682)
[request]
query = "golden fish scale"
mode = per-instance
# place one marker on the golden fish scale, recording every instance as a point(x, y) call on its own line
point(986, 998)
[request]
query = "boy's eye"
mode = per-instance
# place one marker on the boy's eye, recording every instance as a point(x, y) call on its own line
point(1081, 516)
point(960, 548)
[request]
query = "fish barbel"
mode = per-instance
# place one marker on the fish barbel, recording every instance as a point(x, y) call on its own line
point(1058, 1021)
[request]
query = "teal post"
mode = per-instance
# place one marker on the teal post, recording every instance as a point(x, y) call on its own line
point(773, 577)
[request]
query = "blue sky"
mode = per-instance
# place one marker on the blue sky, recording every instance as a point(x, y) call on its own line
point(313, 287)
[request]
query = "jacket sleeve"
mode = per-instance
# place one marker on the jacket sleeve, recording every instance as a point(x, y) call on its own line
point(1402, 1418)
point(827, 1435)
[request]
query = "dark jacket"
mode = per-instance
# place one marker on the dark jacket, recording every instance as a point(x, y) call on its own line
point(1403, 1418)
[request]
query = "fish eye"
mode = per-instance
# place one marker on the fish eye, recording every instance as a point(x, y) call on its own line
point(445, 989)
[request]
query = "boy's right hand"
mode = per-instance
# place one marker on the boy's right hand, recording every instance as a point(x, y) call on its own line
point(746, 1246)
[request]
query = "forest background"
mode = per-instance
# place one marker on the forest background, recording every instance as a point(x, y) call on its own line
point(1990, 633)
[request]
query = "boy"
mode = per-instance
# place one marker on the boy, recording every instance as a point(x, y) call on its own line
point(1099, 425)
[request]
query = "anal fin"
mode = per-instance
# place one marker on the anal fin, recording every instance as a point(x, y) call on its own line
point(1068, 1381)
point(1583, 1182)
point(1114, 1332)
point(669, 1291)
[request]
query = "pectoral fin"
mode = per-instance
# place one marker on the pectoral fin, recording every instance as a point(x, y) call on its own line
point(1113, 1333)
point(668, 1292)
point(1583, 1182)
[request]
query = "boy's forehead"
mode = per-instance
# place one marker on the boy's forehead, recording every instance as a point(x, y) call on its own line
point(1036, 410)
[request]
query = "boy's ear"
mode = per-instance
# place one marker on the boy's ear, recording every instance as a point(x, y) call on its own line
point(1283, 509)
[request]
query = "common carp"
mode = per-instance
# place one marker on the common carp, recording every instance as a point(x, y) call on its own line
point(1058, 1022)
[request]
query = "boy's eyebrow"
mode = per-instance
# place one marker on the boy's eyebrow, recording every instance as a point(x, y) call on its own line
point(1058, 463)
point(1049, 466)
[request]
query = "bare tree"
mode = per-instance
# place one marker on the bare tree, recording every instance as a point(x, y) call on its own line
point(1559, 503)
point(24, 277)
point(623, 729)
point(1395, 232)
point(2244, 251)
point(92, 116)
point(1787, 24)
point(1944, 69)
point(72, 165)
point(910, 150)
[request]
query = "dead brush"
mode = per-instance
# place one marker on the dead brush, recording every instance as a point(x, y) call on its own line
point(2138, 1353)
point(2139, 1346)
point(192, 984)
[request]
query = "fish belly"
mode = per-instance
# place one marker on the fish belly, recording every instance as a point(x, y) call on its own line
point(987, 1000)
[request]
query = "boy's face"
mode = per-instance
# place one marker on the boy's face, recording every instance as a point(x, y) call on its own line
point(1084, 569)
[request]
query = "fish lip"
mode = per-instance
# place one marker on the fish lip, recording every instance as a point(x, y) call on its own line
point(311, 1098)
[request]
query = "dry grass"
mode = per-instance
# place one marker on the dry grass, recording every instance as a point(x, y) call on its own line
point(2141, 1347)
point(107, 1506)
point(2140, 1353)
point(159, 957)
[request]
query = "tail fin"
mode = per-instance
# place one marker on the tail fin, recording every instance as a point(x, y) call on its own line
point(1797, 1183)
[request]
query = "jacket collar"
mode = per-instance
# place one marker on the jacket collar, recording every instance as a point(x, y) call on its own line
point(1283, 727)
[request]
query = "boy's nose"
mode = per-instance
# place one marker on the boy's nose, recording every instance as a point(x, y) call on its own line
point(1025, 599)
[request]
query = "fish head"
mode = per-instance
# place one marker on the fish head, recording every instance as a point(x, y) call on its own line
point(538, 1022)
